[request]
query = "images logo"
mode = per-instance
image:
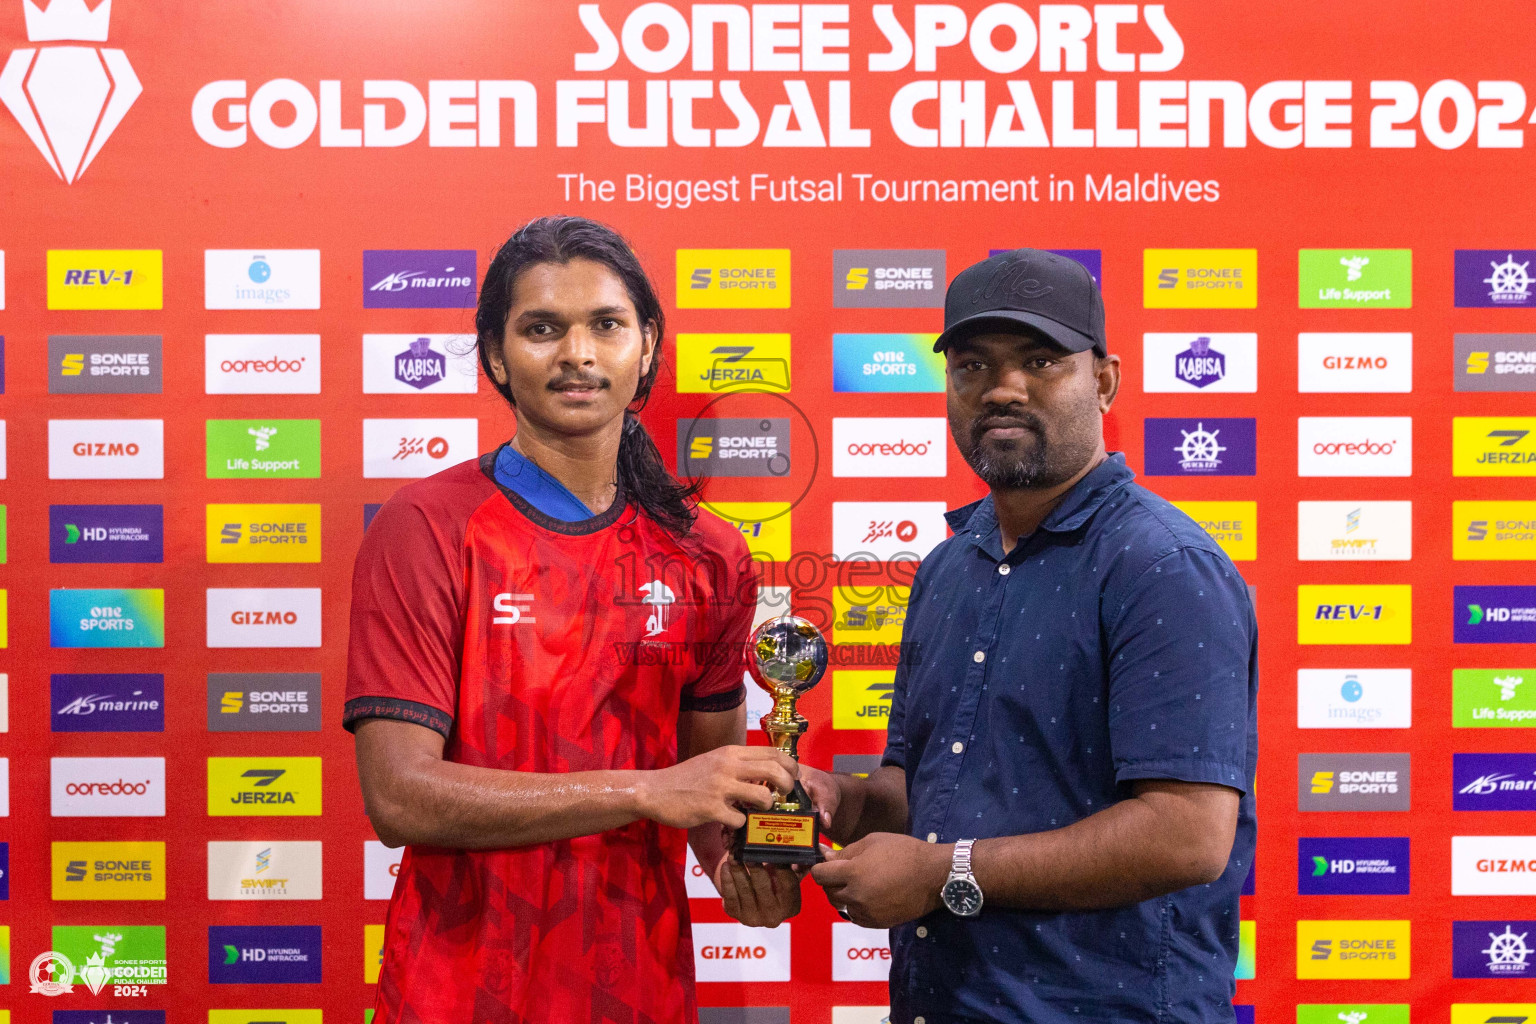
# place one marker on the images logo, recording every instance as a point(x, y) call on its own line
point(733, 447)
point(419, 364)
point(1495, 362)
point(1369, 613)
point(1352, 867)
point(732, 279)
point(1495, 615)
point(263, 449)
point(1493, 446)
point(889, 446)
point(1493, 530)
point(419, 278)
point(1231, 524)
point(261, 364)
point(887, 363)
point(1494, 278)
point(1493, 782)
point(109, 871)
point(712, 363)
point(1355, 278)
point(68, 99)
point(101, 702)
point(1200, 363)
point(1336, 531)
point(1354, 363)
point(861, 699)
point(403, 449)
point(886, 531)
point(263, 786)
point(261, 279)
point(106, 534)
point(735, 952)
point(264, 871)
point(1352, 949)
point(1365, 698)
point(1493, 698)
point(1353, 782)
point(108, 787)
point(1493, 949)
point(1200, 447)
point(104, 364)
point(1354, 446)
point(1200, 278)
point(263, 954)
point(105, 278)
point(1493, 865)
point(263, 702)
point(115, 954)
point(263, 533)
point(269, 617)
point(106, 618)
point(888, 279)
point(106, 449)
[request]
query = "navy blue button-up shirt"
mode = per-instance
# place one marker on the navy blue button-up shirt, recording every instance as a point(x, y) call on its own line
point(1117, 642)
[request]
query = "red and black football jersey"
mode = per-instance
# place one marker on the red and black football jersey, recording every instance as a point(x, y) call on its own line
point(538, 645)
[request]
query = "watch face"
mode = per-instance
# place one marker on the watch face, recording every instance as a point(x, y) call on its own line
point(962, 896)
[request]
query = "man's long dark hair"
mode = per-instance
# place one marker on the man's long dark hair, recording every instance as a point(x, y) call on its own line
point(642, 475)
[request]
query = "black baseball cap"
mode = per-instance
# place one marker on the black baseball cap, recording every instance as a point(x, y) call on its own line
point(1030, 287)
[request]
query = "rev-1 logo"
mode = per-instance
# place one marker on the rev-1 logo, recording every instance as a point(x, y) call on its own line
point(1342, 612)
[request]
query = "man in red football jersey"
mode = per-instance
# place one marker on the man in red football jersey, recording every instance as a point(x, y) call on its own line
point(545, 678)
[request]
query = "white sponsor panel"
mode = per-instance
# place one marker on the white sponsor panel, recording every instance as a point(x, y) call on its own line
point(106, 449)
point(416, 448)
point(861, 1014)
point(1354, 446)
point(108, 787)
point(2, 278)
point(5, 787)
point(699, 885)
point(381, 866)
point(889, 446)
point(5, 702)
point(1345, 531)
point(261, 278)
point(420, 364)
point(3, 449)
point(264, 617)
point(287, 870)
point(1354, 698)
point(860, 954)
point(1354, 364)
point(261, 364)
point(1200, 363)
point(1493, 865)
point(886, 531)
point(734, 952)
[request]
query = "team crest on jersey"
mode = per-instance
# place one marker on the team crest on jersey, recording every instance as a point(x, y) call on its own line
point(512, 609)
point(660, 598)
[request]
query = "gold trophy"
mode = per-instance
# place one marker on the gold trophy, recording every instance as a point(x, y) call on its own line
point(786, 656)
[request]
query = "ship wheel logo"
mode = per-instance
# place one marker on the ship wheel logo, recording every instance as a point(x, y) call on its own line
point(1509, 280)
point(1507, 952)
point(1200, 450)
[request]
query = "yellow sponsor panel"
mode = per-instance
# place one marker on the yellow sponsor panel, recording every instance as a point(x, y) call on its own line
point(717, 363)
point(1493, 446)
point(871, 614)
point(861, 698)
point(1493, 531)
point(780, 830)
point(261, 1016)
point(1231, 524)
point(1353, 949)
point(105, 279)
point(5, 620)
point(1200, 278)
point(373, 952)
point(763, 524)
point(263, 786)
point(1483, 1013)
point(263, 533)
point(109, 871)
point(733, 279)
point(1369, 613)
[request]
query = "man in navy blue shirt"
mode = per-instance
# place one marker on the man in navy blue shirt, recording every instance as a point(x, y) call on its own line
point(1063, 818)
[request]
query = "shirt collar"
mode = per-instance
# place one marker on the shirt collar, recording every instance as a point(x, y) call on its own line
point(979, 519)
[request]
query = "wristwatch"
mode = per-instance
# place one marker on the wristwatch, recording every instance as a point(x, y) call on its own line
point(961, 894)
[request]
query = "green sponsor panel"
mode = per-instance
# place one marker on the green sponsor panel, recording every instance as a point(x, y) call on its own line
point(113, 954)
point(1355, 278)
point(263, 449)
point(1352, 1013)
point(4, 536)
point(1493, 698)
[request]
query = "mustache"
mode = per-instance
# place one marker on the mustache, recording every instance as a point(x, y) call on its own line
point(588, 380)
point(1007, 416)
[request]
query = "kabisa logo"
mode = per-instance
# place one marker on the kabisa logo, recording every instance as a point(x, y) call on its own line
point(68, 99)
point(419, 364)
point(263, 954)
point(419, 278)
point(420, 367)
point(1200, 447)
point(1350, 866)
point(887, 363)
point(261, 364)
point(103, 702)
point(1365, 698)
point(1353, 782)
point(1493, 530)
point(709, 363)
point(117, 534)
point(1353, 949)
point(733, 279)
point(1493, 782)
point(733, 447)
point(107, 787)
point(106, 618)
point(1200, 363)
point(1495, 362)
point(96, 364)
point(1493, 865)
point(1493, 949)
point(261, 279)
point(888, 279)
point(263, 786)
point(1495, 278)
point(109, 871)
point(1355, 278)
point(1200, 278)
point(1493, 698)
point(861, 698)
point(1495, 615)
point(263, 702)
point(1493, 446)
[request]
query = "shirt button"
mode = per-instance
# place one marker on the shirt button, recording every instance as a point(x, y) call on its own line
point(1004, 569)
point(979, 657)
point(933, 837)
point(957, 747)
point(922, 931)
point(919, 1020)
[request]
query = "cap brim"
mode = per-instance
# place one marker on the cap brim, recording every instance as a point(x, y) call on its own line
point(1008, 321)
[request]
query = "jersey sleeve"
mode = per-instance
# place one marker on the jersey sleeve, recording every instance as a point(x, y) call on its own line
point(721, 685)
point(403, 656)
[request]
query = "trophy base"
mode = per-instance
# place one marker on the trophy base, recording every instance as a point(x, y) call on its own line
point(780, 837)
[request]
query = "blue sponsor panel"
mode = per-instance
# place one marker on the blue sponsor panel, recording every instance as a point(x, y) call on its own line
point(1495, 615)
point(419, 279)
point(263, 954)
point(370, 509)
point(107, 702)
point(888, 363)
point(117, 534)
point(1243, 1012)
point(1350, 866)
point(106, 618)
point(1493, 782)
point(1493, 949)
point(1201, 446)
point(5, 871)
point(114, 1016)
point(1495, 278)
point(1093, 259)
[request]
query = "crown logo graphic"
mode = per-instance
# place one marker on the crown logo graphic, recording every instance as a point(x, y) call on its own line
point(68, 99)
point(67, 19)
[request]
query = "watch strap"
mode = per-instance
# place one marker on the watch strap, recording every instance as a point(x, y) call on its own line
point(960, 864)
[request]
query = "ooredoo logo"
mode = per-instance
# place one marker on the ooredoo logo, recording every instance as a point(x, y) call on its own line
point(261, 364)
point(108, 787)
point(889, 446)
point(860, 954)
point(272, 617)
point(735, 952)
point(1354, 446)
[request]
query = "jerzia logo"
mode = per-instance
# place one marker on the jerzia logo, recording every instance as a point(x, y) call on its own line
point(68, 99)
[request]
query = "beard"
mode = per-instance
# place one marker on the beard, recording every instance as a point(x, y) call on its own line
point(1035, 461)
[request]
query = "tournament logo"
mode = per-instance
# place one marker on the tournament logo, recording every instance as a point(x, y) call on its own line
point(1495, 615)
point(1208, 363)
point(263, 702)
point(263, 617)
point(68, 99)
point(1493, 782)
point(261, 279)
point(735, 952)
point(1352, 867)
point(263, 449)
point(261, 364)
point(1353, 949)
point(1353, 782)
point(263, 533)
point(1231, 524)
point(264, 870)
point(1354, 364)
point(419, 364)
point(887, 364)
point(109, 871)
point(1494, 278)
point(1493, 949)
point(1200, 278)
point(113, 954)
point(104, 364)
point(107, 702)
point(106, 618)
point(861, 698)
point(107, 787)
point(1493, 698)
point(105, 278)
point(733, 279)
point(888, 279)
point(717, 363)
point(419, 278)
point(733, 447)
point(1363, 698)
point(1493, 865)
point(1493, 530)
point(106, 534)
point(1336, 531)
point(263, 786)
point(1495, 362)
point(1493, 446)
point(406, 449)
point(1362, 613)
point(886, 531)
point(1207, 446)
point(106, 449)
point(263, 954)
point(1355, 278)
point(1354, 446)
